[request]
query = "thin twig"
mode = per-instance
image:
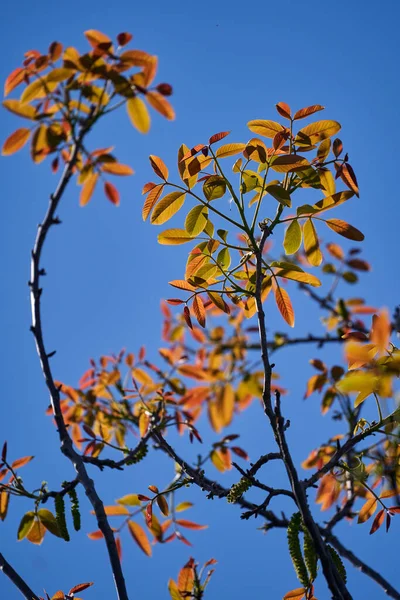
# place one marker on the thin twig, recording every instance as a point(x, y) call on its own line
point(16, 579)
point(65, 441)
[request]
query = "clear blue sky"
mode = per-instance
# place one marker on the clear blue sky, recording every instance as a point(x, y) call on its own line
point(228, 62)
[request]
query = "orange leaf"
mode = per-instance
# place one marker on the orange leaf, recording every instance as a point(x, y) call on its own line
point(115, 168)
point(190, 524)
point(284, 110)
point(306, 112)
point(116, 511)
point(199, 311)
point(95, 37)
point(217, 137)
point(345, 229)
point(151, 199)
point(16, 141)
point(95, 535)
point(163, 505)
point(161, 105)
point(296, 594)
point(159, 167)
point(111, 192)
point(58, 595)
point(186, 316)
point(284, 305)
point(88, 189)
point(380, 517)
point(80, 587)
point(348, 176)
point(367, 510)
point(140, 537)
point(13, 80)
point(182, 285)
point(186, 577)
point(381, 330)
point(20, 462)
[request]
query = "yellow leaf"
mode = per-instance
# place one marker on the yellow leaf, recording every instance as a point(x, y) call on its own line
point(229, 150)
point(160, 104)
point(37, 89)
point(315, 132)
point(327, 180)
point(174, 591)
point(311, 244)
point(293, 237)
point(367, 510)
point(267, 129)
point(95, 37)
point(332, 201)
point(88, 189)
point(158, 166)
point(16, 141)
point(174, 237)
point(288, 162)
point(129, 500)
point(284, 305)
point(60, 74)
point(115, 168)
point(381, 331)
point(167, 207)
point(299, 276)
point(138, 114)
point(226, 404)
point(36, 533)
point(196, 220)
point(22, 110)
point(140, 537)
point(359, 381)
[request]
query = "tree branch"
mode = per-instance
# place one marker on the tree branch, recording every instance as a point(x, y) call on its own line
point(16, 579)
point(66, 444)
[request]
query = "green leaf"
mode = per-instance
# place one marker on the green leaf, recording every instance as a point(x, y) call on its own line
point(196, 220)
point(279, 193)
point(25, 525)
point(224, 258)
point(49, 521)
point(293, 237)
point(167, 207)
point(214, 187)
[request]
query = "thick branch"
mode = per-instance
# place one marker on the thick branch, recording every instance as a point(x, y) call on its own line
point(65, 440)
point(16, 579)
point(364, 568)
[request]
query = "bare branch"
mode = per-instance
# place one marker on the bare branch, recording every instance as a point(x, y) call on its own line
point(65, 441)
point(16, 579)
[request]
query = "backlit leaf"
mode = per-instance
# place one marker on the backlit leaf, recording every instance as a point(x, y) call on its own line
point(332, 201)
point(151, 200)
point(326, 178)
point(284, 305)
point(80, 587)
point(280, 194)
point(36, 533)
point(21, 462)
point(296, 594)
point(199, 311)
point(217, 137)
point(196, 220)
point(140, 537)
point(288, 162)
point(163, 505)
point(167, 207)
point(267, 129)
point(348, 176)
point(49, 521)
point(229, 150)
point(88, 189)
point(95, 37)
point(299, 276)
point(367, 510)
point(316, 132)
point(160, 104)
point(174, 237)
point(115, 168)
point(15, 78)
point(129, 500)
point(16, 141)
point(60, 74)
point(37, 89)
point(138, 114)
point(284, 110)
point(111, 192)
point(25, 525)
point(306, 112)
point(311, 244)
point(214, 187)
point(22, 110)
point(189, 524)
point(174, 591)
point(159, 167)
point(293, 237)
point(377, 522)
point(345, 229)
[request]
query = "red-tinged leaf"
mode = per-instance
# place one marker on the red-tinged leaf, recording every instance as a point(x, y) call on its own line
point(55, 51)
point(95, 535)
point(380, 517)
point(345, 229)
point(240, 452)
point(119, 547)
point(289, 162)
point(88, 189)
point(183, 539)
point(21, 462)
point(16, 141)
point(159, 167)
point(199, 310)
point(111, 192)
point(151, 200)
point(138, 114)
point(186, 577)
point(13, 80)
point(306, 112)
point(154, 489)
point(337, 147)
point(117, 169)
point(148, 187)
point(186, 316)
point(394, 510)
point(175, 301)
point(4, 452)
point(140, 537)
point(95, 37)
point(284, 305)
point(80, 587)
point(143, 498)
point(217, 137)
point(348, 176)
point(149, 514)
point(182, 285)
point(192, 152)
point(89, 431)
point(296, 594)
point(190, 524)
point(124, 38)
point(161, 105)
point(284, 110)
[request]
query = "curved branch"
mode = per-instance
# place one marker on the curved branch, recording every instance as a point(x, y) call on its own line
point(362, 566)
point(65, 441)
point(16, 579)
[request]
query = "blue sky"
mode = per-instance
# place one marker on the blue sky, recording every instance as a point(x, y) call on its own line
point(228, 63)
